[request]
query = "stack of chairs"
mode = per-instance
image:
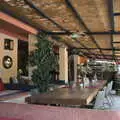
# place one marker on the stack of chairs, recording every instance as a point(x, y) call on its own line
point(104, 99)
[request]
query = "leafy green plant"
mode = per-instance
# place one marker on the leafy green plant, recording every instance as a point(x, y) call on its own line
point(45, 61)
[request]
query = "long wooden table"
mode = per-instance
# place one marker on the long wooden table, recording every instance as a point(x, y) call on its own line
point(69, 96)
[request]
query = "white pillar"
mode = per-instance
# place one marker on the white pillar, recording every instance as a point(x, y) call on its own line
point(32, 39)
point(63, 64)
point(75, 67)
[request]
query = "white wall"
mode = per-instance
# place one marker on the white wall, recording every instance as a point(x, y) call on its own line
point(5, 74)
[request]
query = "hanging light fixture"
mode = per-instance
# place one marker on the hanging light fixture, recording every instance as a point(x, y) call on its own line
point(78, 35)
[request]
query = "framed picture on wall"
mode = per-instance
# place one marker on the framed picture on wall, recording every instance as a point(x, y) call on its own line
point(8, 44)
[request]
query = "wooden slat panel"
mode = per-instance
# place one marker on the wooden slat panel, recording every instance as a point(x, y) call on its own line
point(116, 5)
point(117, 23)
point(93, 12)
point(103, 40)
point(58, 11)
point(116, 45)
point(107, 52)
point(116, 38)
point(94, 19)
point(20, 8)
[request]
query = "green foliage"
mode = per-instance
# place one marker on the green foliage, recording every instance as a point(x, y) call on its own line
point(45, 61)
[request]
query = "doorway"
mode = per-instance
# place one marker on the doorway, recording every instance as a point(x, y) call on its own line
point(23, 56)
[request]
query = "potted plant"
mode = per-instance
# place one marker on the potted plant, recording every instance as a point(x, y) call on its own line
point(45, 61)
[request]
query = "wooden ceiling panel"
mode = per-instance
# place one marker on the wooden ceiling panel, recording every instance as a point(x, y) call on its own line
point(117, 23)
point(70, 41)
point(20, 8)
point(107, 52)
point(58, 11)
point(103, 40)
point(87, 42)
point(116, 45)
point(117, 52)
point(94, 13)
point(116, 6)
point(116, 38)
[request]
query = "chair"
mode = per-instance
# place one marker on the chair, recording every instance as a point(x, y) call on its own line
point(109, 92)
point(107, 98)
point(100, 102)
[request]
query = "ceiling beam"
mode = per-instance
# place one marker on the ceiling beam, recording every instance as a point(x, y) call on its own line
point(77, 15)
point(9, 19)
point(100, 56)
point(110, 9)
point(116, 14)
point(41, 13)
point(105, 55)
point(86, 48)
point(107, 49)
point(103, 33)
point(25, 21)
point(79, 53)
point(104, 58)
point(116, 42)
point(56, 38)
point(56, 33)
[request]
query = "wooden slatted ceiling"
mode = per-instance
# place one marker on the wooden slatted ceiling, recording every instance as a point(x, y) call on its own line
point(17, 7)
point(90, 12)
point(116, 38)
point(56, 9)
point(117, 18)
point(101, 6)
point(37, 19)
point(116, 6)
point(20, 13)
point(103, 40)
point(117, 23)
point(107, 52)
point(93, 12)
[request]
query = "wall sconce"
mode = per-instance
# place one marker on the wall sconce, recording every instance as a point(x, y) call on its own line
point(8, 44)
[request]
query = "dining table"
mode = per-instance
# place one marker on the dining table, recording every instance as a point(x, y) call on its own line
point(69, 95)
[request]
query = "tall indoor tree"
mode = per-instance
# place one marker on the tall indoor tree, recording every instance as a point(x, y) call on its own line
point(45, 61)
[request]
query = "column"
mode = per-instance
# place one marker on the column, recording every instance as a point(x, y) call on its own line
point(63, 64)
point(75, 57)
point(32, 39)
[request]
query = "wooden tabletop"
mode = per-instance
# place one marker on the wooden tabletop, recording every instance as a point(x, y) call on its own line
point(69, 96)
